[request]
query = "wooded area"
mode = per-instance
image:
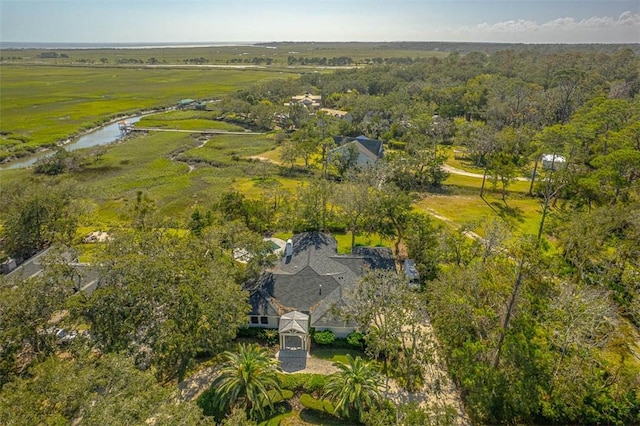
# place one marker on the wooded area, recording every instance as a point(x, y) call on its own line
point(534, 324)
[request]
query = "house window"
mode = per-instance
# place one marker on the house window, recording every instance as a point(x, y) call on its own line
point(254, 320)
point(264, 320)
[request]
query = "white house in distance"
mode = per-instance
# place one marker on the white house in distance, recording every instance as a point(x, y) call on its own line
point(307, 100)
point(336, 113)
point(553, 162)
point(303, 288)
point(369, 150)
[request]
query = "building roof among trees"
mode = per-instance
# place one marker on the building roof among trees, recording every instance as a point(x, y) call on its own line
point(371, 148)
point(87, 277)
point(314, 278)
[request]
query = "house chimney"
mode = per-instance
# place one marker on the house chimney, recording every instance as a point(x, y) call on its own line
point(288, 249)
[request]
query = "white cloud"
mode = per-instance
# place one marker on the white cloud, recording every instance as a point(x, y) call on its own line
point(597, 29)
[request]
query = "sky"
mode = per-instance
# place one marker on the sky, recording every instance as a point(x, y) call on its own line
point(190, 21)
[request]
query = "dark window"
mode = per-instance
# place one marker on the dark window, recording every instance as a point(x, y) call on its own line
point(264, 320)
point(254, 320)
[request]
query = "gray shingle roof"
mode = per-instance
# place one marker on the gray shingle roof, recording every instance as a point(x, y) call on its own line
point(314, 279)
point(87, 278)
point(373, 147)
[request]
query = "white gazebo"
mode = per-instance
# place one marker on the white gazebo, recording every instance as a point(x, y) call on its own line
point(294, 331)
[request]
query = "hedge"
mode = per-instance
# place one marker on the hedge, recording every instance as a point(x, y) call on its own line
point(312, 403)
point(325, 337)
point(311, 383)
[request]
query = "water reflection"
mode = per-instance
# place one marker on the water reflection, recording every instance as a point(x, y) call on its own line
point(102, 136)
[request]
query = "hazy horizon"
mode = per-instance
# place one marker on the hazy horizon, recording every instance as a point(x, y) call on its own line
point(259, 21)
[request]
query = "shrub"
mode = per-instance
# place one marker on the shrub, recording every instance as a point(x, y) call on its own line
point(207, 401)
point(356, 339)
point(279, 397)
point(325, 337)
point(249, 332)
point(270, 335)
point(312, 403)
point(397, 145)
point(336, 227)
point(291, 382)
point(315, 383)
point(310, 383)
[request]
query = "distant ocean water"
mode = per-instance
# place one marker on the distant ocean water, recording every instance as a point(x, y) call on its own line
point(149, 45)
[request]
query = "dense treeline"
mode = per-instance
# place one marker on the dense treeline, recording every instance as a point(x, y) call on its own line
point(460, 47)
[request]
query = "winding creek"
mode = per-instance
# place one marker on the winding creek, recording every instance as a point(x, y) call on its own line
point(103, 135)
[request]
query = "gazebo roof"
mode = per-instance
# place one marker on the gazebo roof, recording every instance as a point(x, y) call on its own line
point(294, 322)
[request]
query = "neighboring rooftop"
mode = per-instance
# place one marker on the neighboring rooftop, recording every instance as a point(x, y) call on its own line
point(335, 112)
point(307, 100)
point(553, 162)
point(369, 150)
point(88, 279)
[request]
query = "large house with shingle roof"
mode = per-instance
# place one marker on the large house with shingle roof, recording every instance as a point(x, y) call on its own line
point(313, 280)
point(369, 150)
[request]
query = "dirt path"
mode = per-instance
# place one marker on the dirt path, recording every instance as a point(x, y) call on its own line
point(203, 132)
point(456, 171)
point(258, 157)
point(194, 386)
point(437, 215)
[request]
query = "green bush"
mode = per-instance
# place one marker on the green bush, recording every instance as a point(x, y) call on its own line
point(279, 397)
point(207, 401)
point(293, 382)
point(325, 337)
point(310, 383)
point(312, 403)
point(397, 145)
point(356, 339)
point(315, 383)
point(249, 332)
point(270, 335)
point(336, 227)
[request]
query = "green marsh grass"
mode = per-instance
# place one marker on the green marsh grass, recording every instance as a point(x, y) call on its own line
point(219, 149)
point(42, 105)
point(187, 120)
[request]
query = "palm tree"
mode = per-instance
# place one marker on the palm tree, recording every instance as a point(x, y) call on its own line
point(247, 379)
point(355, 388)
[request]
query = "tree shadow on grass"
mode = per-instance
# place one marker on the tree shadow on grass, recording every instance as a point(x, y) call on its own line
point(279, 409)
point(315, 417)
point(99, 169)
point(507, 212)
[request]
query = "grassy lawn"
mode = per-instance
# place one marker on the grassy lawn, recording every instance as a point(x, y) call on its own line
point(522, 213)
point(475, 183)
point(335, 354)
point(255, 187)
point(373, 240)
